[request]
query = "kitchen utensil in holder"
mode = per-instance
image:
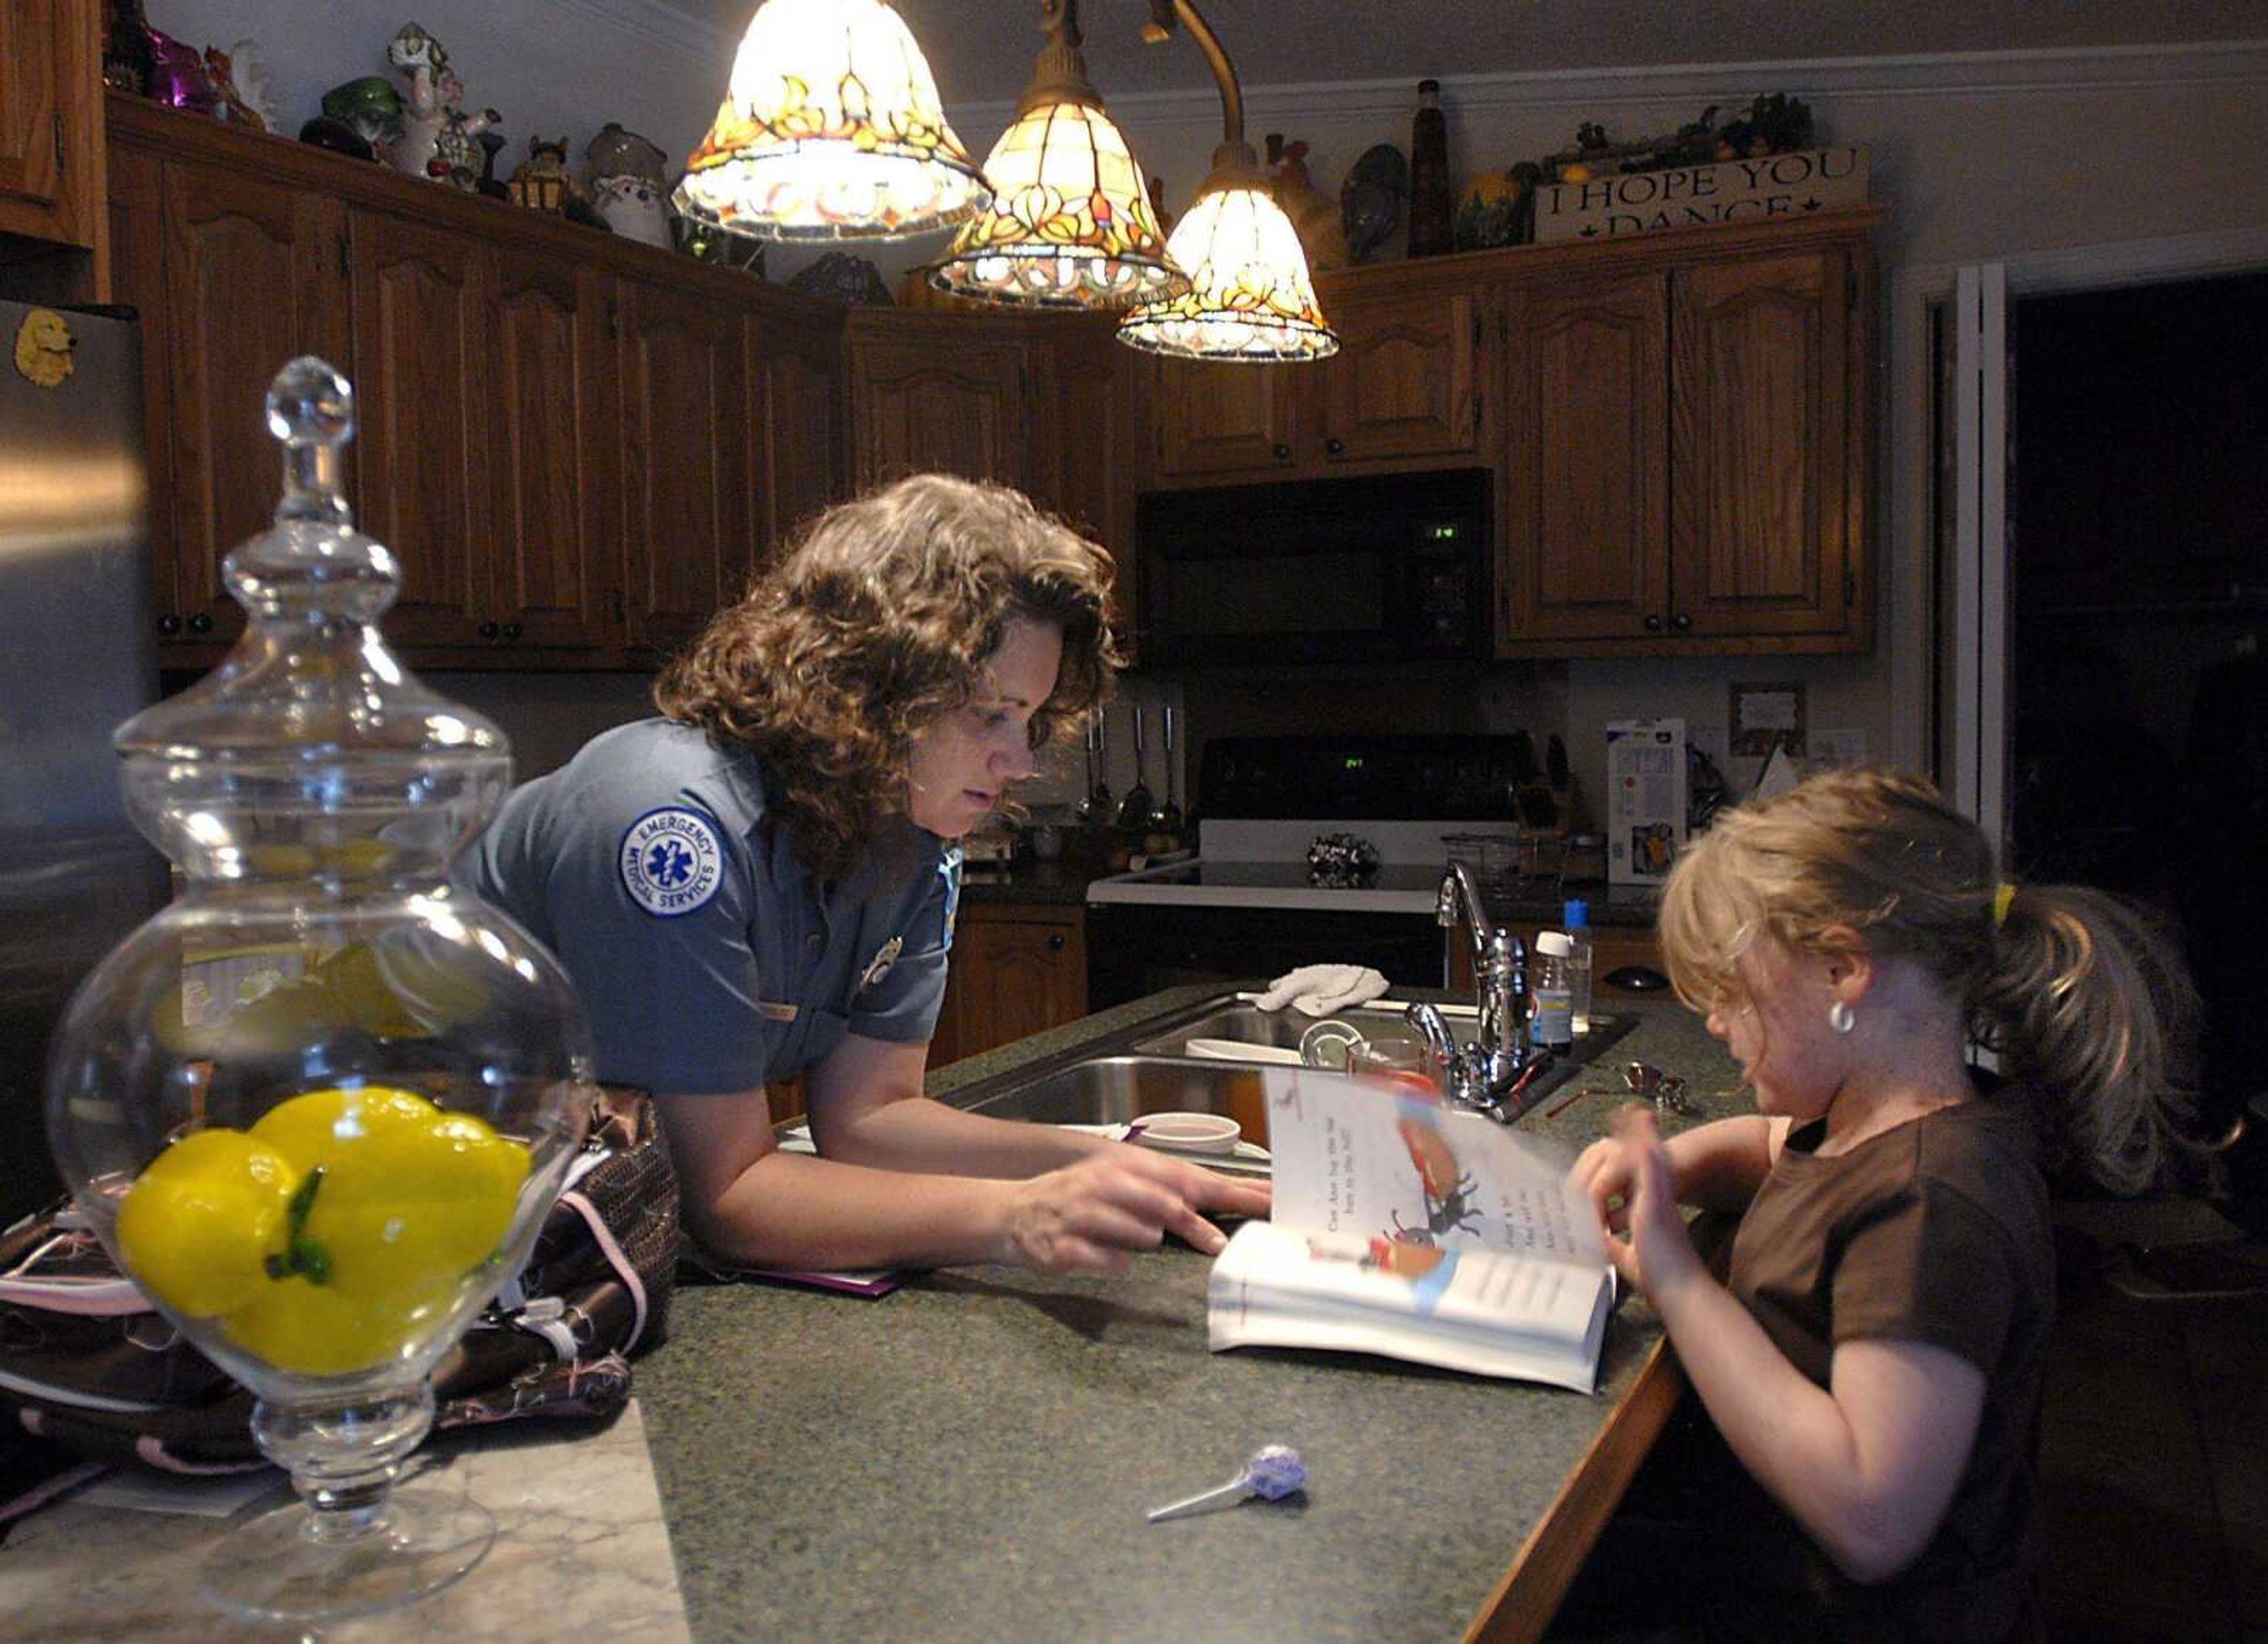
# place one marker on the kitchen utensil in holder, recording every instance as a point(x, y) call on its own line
point(312, 792)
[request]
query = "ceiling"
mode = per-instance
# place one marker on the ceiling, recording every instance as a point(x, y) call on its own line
point(981, 50)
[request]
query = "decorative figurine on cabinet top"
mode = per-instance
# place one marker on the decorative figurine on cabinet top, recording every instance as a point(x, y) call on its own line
point(540, 181)
point(627, 190)
point(239, 74)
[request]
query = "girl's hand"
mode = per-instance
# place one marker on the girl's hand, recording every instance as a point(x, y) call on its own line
point(1647, 1237)
point(1089, 1214)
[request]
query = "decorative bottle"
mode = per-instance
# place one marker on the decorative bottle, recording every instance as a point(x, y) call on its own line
point(1432, 205)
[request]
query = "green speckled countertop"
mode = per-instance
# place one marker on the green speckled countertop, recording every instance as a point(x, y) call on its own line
point(971, 1457)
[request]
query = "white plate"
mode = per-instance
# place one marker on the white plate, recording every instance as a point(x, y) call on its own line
point(1187, 1133)
point(1239, 1050)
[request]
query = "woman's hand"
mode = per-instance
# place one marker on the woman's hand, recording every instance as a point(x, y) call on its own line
point(1091, 1213)
point(1630, 1184)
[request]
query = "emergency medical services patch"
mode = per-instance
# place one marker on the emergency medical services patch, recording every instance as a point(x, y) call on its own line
point(672, 861)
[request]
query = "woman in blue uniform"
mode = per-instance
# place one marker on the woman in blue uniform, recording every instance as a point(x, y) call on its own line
point(761, 883)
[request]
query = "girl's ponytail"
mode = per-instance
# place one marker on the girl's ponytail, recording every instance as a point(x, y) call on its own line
point(2084, 999)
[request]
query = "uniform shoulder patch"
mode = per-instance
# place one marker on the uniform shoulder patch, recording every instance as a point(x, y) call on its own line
point(672, 861)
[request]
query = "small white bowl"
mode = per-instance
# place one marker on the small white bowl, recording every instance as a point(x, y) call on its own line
point(1188, 1133)
point(1240, 1050)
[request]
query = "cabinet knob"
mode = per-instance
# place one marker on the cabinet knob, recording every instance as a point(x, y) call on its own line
point(200, 623)
point(1337, 447)
point(1653, 625)
point(1054, 942)
point(1681, 621)
point(168, 626)
point(1283, 453)
point(511, 630)
point(489, 630)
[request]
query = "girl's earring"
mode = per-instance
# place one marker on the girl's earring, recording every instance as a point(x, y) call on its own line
point(1839, 1017)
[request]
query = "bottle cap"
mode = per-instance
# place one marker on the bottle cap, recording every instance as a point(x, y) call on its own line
point(1576, 914)
point(1553, 943)
point(1425, 86)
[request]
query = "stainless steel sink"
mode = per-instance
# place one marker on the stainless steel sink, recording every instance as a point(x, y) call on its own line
point(1143, 1070)
point(1114, 1090)
point(1245, 1024)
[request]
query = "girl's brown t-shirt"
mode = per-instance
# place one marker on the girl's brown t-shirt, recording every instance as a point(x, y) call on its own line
point(1936, 1231)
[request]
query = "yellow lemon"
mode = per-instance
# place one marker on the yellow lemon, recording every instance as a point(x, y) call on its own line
point(199, 1222)
point(311, 1329)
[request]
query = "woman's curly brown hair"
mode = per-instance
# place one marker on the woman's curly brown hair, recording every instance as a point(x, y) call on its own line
point(878, 621)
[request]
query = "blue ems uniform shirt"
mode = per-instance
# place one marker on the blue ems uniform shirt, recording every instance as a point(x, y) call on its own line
point(708, 957)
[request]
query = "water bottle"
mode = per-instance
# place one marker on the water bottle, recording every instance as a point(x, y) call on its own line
point(1551, 1022)
point(1578, 916)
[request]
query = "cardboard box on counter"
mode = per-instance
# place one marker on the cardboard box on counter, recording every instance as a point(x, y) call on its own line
point(1645, 799)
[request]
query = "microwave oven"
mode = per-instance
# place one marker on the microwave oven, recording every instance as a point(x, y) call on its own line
point(1390, 567)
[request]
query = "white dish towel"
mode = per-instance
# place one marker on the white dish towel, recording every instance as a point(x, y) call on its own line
point(1317, 990)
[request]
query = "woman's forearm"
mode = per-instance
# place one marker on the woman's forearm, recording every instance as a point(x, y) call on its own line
point(797, 1211)
point(920, 1134)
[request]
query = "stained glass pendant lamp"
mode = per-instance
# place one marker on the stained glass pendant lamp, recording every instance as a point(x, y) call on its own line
point(1071, 224)
point(1251, 298)
point(831, 129)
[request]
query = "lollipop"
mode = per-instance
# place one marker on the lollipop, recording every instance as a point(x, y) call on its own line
point(1274, 1472)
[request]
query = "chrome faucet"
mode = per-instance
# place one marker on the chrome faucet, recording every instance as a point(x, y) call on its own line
point(1490, 1074)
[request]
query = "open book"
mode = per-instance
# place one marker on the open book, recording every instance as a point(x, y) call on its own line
point(1406, 1229)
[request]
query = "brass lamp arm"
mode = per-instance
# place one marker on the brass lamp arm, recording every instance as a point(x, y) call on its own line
point(1234, 155)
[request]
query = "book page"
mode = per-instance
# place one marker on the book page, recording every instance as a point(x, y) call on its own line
point(1355, 1160)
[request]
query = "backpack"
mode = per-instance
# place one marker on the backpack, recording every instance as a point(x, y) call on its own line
point(88, 1369)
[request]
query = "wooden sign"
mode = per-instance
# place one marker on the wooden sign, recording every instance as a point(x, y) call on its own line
point(1693, 196)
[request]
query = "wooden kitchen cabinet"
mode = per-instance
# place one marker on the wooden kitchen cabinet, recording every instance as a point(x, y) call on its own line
point(418, 361)
point(1406, 386)
point(1584, 510)
point(688, 523)
point(555, 475)
point(50, 112)
point(1018, 968)
point(578, 445)
point(939, 391)
point(795, 404)
point(234, 276)
point(1686, 465)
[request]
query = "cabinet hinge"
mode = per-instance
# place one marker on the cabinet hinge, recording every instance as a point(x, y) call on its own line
point(59, 143)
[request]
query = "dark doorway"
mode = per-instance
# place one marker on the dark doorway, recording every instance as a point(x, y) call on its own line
point(2139, 590)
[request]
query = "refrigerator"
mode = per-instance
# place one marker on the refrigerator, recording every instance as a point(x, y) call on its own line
point(76, 658)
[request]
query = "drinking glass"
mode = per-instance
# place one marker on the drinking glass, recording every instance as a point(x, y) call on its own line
point(1396, 1060)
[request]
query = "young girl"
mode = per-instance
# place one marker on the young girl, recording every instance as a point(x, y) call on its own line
point(1874, 1361)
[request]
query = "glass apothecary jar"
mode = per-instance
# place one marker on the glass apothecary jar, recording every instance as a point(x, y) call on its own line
point(318, 1108)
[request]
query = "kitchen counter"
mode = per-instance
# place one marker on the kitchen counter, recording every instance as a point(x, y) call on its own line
point(971, 1457)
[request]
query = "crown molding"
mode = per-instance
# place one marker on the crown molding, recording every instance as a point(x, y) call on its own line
point(1949, 74)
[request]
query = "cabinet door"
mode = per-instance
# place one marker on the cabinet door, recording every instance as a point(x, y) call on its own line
point(1761, 536)
point(49, 85)
point(953, 407)
point(795, 376)
point(685, 484)
point(551, 466)
point(1405, 381)
point(421, 347)
point(1217, 421)
point(1587, 472)
point(1089, 412)
point(1016, 971)
point(255, 274)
